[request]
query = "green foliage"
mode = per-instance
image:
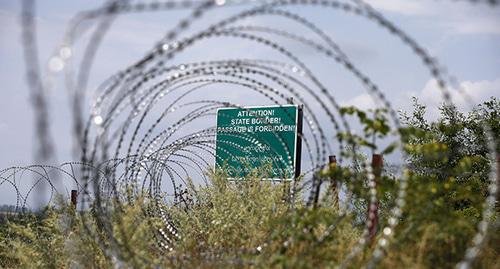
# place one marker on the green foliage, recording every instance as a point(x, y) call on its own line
point(254, 224)
point(453, 153)
point(33, 241)
point(229, 215)
point(447, 176)
point(61, 238)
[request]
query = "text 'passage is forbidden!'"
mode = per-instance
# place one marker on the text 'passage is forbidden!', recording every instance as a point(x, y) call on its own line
point(265, 137)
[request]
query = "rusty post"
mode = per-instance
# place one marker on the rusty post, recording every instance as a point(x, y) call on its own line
point(74, 195)
point(332, 160)
point(318, 189)
point(377, 165)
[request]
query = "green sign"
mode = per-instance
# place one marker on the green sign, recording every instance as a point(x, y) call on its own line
point(252, 137)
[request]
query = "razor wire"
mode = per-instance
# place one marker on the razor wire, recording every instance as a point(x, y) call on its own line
point(124, 142)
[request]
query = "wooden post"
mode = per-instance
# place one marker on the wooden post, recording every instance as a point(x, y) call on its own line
point(377, 164)
point(74, 195)
point(332, 162)
point(318, 189)
point(332, 159)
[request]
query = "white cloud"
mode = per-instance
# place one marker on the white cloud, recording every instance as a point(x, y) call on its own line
point(454, 17)
point(481, 25)
point(363, 101)
point(464, 96)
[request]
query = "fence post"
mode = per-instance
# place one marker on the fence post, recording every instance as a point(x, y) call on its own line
point(318, 189)
point(377, 165)
point(332, 159)
point(74, 195)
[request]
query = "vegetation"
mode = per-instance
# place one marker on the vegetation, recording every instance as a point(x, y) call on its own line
point(253, 224)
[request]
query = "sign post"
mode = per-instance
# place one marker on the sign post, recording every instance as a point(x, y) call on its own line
point(265, 137)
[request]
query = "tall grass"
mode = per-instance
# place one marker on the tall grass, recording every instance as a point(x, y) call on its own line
point(226, 224)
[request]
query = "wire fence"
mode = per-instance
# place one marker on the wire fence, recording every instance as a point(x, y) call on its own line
point(151, 126)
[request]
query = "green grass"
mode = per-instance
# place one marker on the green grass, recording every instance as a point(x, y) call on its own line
point(247, 224)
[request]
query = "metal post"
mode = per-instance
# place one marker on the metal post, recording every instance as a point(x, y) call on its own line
point(318, 181)
point(74, 195)
point(377, 164)
point(298, 146)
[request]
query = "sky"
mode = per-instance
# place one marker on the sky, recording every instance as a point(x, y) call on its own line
point(463, 37)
